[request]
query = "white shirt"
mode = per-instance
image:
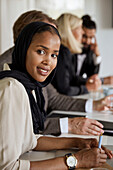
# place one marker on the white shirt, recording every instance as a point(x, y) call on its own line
point(16, 127)
point(81, 58)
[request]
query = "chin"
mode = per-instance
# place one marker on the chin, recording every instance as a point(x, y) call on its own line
point(41, 80)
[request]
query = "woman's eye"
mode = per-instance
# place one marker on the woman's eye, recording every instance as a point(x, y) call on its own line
point(41, 52)
point(54, 55)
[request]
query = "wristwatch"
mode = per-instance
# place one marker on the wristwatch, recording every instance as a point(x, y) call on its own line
point(71, 161)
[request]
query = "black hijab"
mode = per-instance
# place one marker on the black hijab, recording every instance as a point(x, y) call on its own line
point(18, 71)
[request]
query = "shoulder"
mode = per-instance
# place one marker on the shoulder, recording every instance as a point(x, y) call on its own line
point(65, 52)
point(11, 84)
point(64, 48)
point(6, 57)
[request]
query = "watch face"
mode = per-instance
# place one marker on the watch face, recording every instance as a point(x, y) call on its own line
point(71, 161)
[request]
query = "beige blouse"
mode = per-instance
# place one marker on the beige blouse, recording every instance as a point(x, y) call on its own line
point(16, 127)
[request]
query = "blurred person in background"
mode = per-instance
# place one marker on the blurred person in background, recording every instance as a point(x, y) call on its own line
point(69, 78)
point(90, 47)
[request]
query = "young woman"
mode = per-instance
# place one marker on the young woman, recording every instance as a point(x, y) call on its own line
point(53, 99)
point(22, 105)
point(69, 78)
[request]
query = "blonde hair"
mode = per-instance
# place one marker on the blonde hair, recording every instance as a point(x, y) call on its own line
point(66, 23)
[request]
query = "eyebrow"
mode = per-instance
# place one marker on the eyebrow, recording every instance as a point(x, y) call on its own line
point(87, 36)
point(46, 48)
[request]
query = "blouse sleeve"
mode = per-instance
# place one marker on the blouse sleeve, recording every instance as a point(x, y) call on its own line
point(16, 129)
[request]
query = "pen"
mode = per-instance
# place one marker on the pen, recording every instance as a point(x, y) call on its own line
point(100, 141)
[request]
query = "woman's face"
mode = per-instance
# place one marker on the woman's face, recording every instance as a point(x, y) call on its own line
point(42, 54)
point(78, 32)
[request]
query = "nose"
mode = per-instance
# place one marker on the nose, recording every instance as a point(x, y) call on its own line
point(47, 59)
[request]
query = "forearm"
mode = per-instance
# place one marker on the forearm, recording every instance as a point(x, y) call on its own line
point(66, 103)
point(52, 127)
point(51, 143)
point(57, 101)
point(54, 164)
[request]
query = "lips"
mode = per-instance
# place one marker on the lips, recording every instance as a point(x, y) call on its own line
point(43, 71)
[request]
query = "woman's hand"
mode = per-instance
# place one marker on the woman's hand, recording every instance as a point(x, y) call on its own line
point(88, 143)
point(108, 152)
point(93, 143)
point(93, 83)
point(88, 158)
point(94, 47)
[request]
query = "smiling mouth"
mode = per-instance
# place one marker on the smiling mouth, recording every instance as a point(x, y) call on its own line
point(43, 72)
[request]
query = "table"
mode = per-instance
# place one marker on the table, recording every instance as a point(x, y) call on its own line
point(102, 116)
point(107, 140)
point(40, 155)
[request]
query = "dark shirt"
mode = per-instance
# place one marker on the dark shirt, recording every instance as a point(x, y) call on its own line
point(66, 81)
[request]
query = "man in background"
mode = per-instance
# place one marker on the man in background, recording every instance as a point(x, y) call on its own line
point(90, 46)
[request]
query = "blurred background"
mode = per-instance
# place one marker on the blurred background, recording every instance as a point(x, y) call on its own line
point(101, 12)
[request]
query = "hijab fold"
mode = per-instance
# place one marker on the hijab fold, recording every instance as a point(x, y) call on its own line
point(18, 71)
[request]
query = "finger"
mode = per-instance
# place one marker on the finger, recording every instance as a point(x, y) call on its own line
point(102, 160)
point(110, 155)
point(95, 40)
point(96, 129)
point(108, 152)
point(92, 132)
point(105, 108)
point(103, 156)
point(95, 122)
point(100, 150)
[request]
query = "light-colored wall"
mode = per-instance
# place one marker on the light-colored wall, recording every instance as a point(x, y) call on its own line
point(105, 41)
point(100, 10)
point(10, 10)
